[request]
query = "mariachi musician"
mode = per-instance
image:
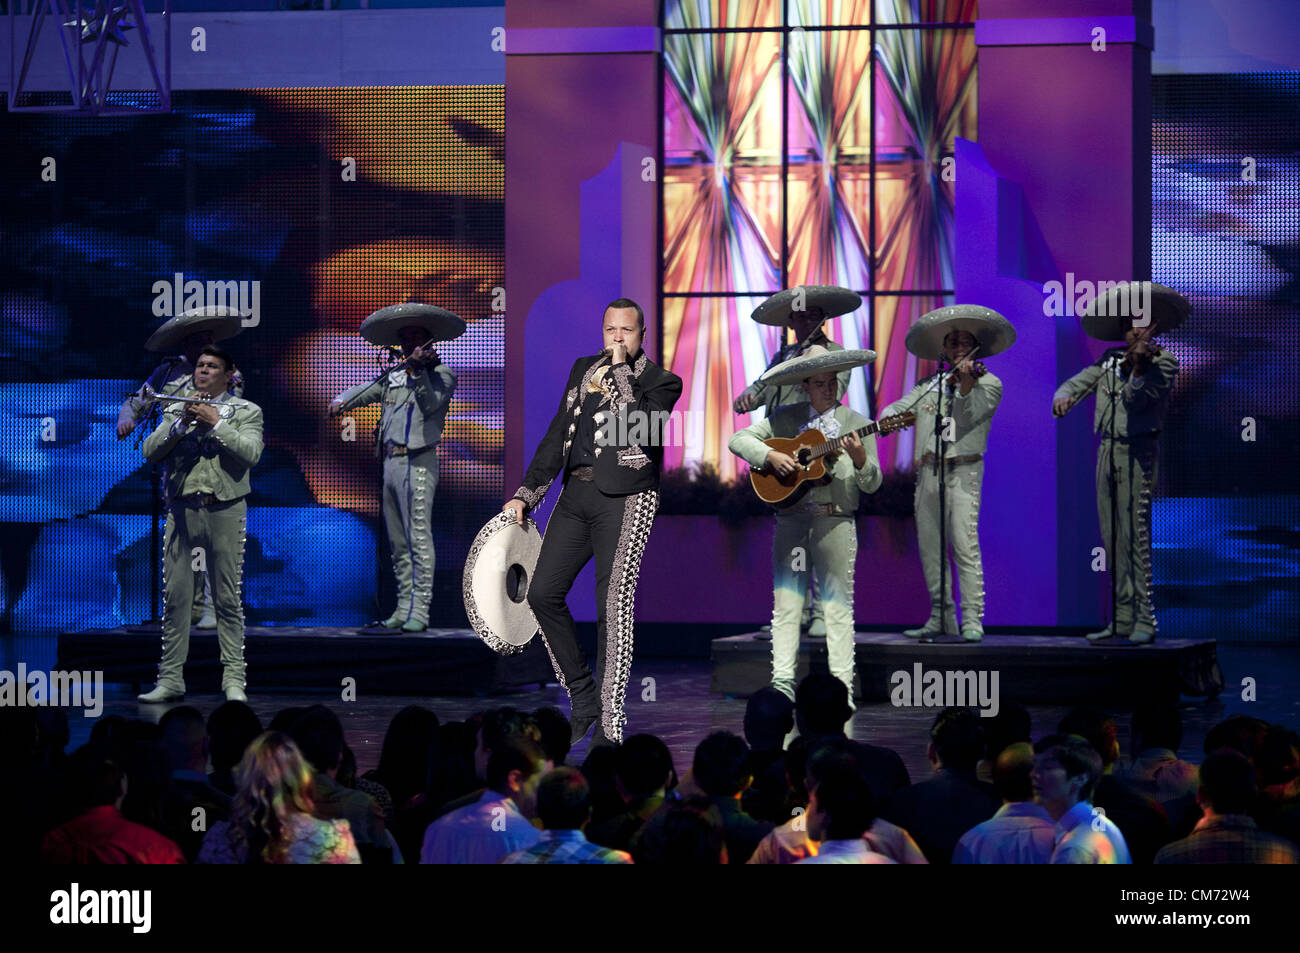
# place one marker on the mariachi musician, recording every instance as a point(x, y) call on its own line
point(1133, 385)
point(818, 533)
point(416, 396)
point(956, 406)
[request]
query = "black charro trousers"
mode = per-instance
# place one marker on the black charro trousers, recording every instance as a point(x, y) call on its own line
point(613, 529)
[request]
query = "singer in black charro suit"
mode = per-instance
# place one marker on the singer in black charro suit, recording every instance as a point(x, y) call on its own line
point(606, 444)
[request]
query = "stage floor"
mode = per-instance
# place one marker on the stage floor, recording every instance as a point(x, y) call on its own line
point(1048, 669)
point(677, 704)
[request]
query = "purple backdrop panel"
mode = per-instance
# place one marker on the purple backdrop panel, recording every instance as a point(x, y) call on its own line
point(1047, 31)
point(540, 14)
point(633, 39)
point(571, 119)
point(1001, 263)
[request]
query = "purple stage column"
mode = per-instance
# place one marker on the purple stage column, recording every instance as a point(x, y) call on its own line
point(582, 99)
point(1064, 142)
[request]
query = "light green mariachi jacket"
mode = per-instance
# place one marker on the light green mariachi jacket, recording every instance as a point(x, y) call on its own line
point(203, 460)
point(972, 415)
point(847, 481)
point(415, 405)
point(1142, 402)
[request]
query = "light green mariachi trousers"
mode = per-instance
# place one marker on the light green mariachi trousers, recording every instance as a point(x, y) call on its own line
point(962, 508)
point(220, 531)
point(409, 485)
point(1130, 560)
point(827, 545)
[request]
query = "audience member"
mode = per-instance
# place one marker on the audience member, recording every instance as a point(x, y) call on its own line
point(840, 810)
point(191, 804)
point(721, 769)
point(318, 733)
point(555, 731)
point(564, 808)
point(1011, 725)
point(939, 811)
point(100, 834)
point(1155, 769)
point(643, 769)
point(601, 771)
point(271, 819)
point(1021, 832)
point(1066, 771)
point(769, 717)
point(686, 833)
point(231, 728)
point(497, 823)
point(1142, 818)
point(1227, 834)
point(821, 709)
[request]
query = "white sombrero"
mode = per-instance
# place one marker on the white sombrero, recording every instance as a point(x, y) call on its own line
point(383, 326)
point(991, 331)
point(815, 360)
point(498, 572)
point(832, 299)
point(222, 321)
point(1109, 316)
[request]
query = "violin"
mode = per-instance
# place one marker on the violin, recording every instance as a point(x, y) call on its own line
point(1131, 355)
point(977, 370)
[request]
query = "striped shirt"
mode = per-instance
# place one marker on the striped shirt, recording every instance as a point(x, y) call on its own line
point(566, 847)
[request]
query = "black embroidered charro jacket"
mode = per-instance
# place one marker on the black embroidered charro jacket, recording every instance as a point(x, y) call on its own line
point(631, 420)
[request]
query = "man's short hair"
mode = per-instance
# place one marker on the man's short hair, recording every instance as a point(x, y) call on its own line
point(515, 753)
point(769, 717)
point(958, 738)
point(499, 724)
point(554, 730)
point(1012, 772)
point(563, 800)
point(821, 705)
point(644, 765)
point(318, 733)
point(221, 354)
point(1243, 733)
point(1077, 756)
point(621, 303)
point(1011, 725)
point(1098, 728)
point(1158, 726)
point(721, 765)
point(182, 728)
point(98, 779)
point(1228, 782)
point(685, 833)
point(844, 795)
point(230, 729)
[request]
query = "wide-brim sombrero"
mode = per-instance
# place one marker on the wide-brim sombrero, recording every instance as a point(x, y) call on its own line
point(384, 325)
point(815, 360)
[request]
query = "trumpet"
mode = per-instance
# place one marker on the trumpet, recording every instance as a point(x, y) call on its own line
point(149, 394)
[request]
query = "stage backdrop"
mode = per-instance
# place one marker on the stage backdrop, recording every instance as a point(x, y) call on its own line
point(1225, 184)
point(322, 205)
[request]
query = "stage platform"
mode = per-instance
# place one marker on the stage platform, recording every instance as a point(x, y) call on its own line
point(1041, 669)
point(434, 662)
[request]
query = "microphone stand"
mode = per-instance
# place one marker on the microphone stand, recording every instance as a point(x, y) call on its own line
point(149, 423)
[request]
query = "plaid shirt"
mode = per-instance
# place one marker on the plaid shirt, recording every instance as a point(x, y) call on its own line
point(1229, 839)
point(566, 847)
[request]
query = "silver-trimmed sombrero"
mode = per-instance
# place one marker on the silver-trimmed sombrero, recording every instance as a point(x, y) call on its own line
point(1109, 316)
point(382, 326)
point(993, 332)
point(832, 299)
point(815, 360)
point(222, 321)
point(498, 571)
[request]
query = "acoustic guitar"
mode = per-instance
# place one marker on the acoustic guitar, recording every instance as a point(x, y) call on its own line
point(809, 450)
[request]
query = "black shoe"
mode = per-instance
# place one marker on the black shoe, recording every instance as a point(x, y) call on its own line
point(581, 724)
point(600, 740)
